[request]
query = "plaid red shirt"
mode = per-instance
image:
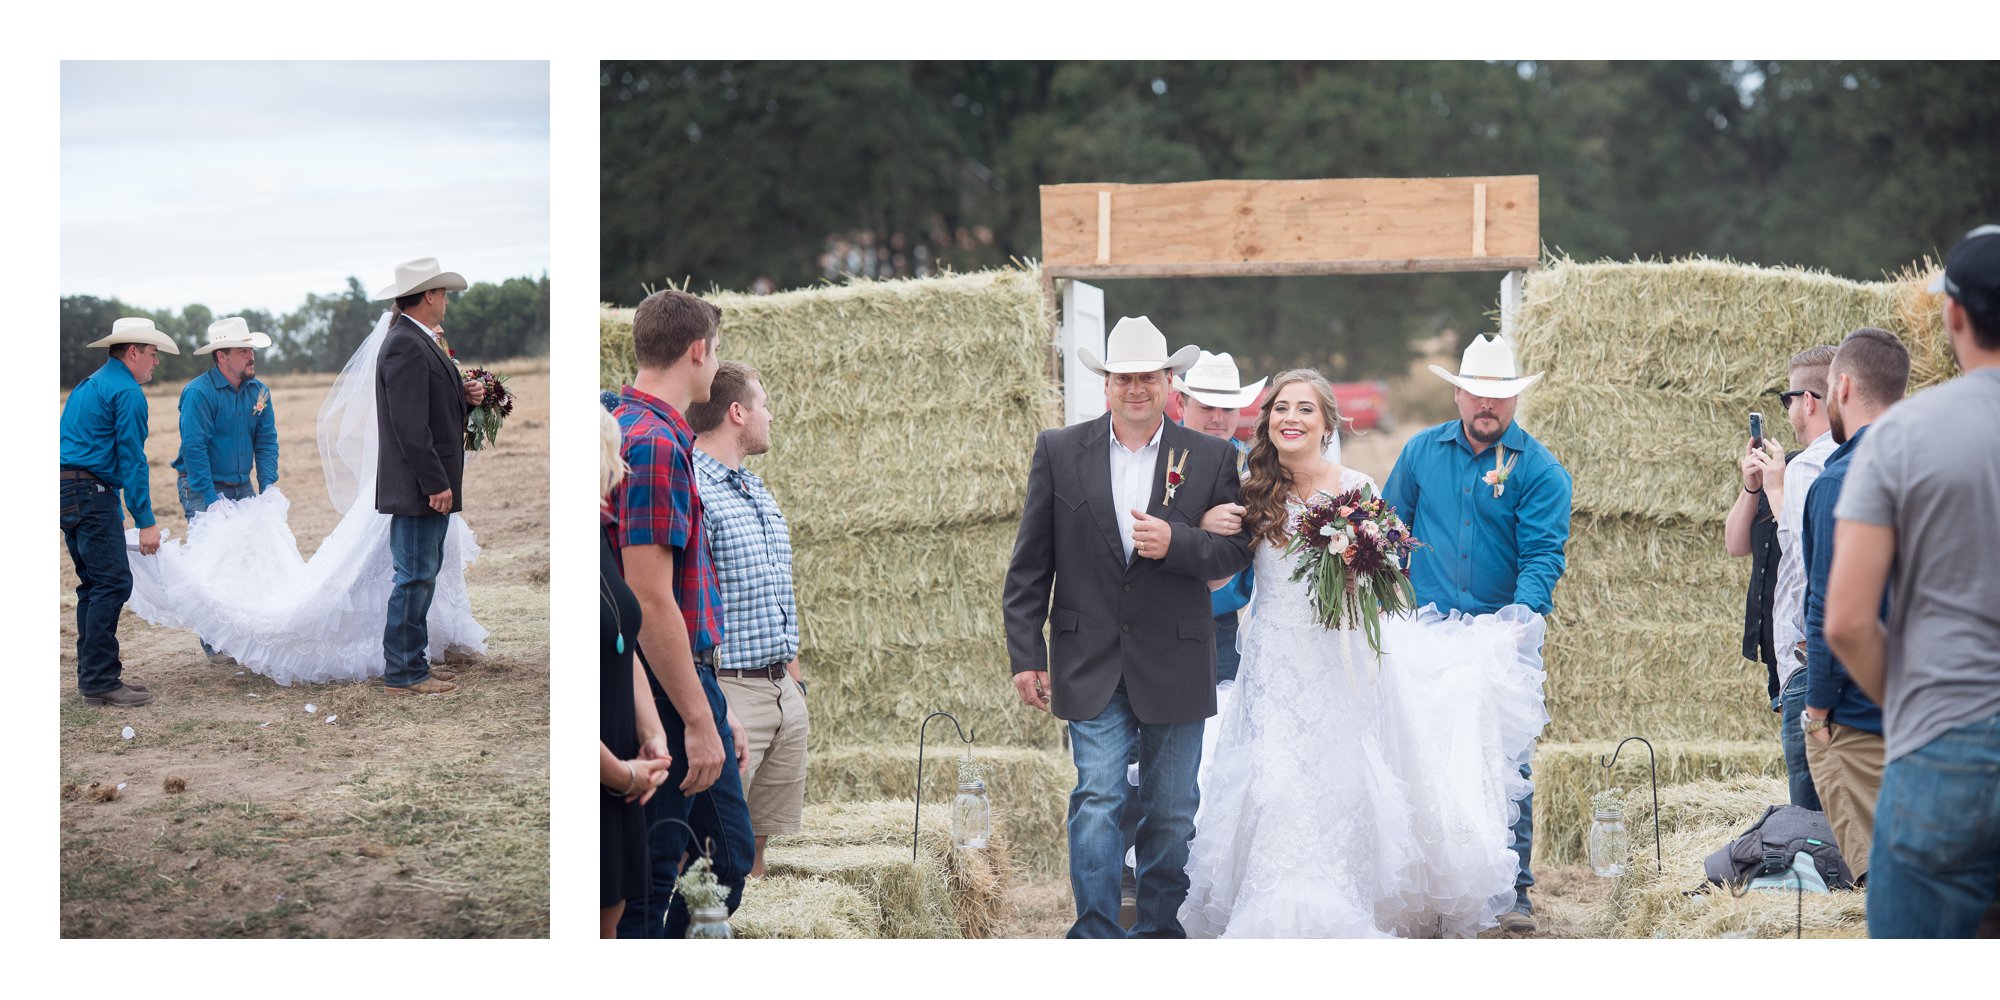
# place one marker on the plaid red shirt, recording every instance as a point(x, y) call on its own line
point(658, 503)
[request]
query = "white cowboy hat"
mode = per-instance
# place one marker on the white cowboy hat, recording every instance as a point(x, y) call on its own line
point(421, 275)
point(1214, 381)
point(1136, 345)
point(137, 330)
point(232, 331)
point(1487, 369)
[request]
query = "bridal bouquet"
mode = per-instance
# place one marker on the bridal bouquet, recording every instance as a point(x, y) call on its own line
point(482, 425)
point(1355, 548)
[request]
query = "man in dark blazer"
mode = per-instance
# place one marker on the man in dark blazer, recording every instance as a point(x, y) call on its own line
point(1110, 526)
point(421, 403)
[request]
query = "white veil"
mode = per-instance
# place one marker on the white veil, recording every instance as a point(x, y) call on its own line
point(348, 435)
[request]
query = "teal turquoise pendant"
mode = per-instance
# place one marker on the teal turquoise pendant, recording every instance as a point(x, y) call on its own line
point(621, 642)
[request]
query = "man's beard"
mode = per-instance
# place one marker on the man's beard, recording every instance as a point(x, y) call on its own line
point(1484, 437)
point(1836, 425)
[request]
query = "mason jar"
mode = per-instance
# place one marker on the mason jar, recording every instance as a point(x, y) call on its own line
point(971, 815)
point(708, 922)
point(1610, 848)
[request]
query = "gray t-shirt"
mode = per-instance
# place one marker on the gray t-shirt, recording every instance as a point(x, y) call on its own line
point(1930, 468)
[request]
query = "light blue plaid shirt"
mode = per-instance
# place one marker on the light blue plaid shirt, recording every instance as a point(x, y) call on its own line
point(752, 548)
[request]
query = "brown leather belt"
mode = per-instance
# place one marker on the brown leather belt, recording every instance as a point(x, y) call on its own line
point(775, 671)
point(78, 474)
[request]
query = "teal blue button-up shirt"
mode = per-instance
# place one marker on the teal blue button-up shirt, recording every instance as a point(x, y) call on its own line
point(1481, 552)
point(104, 434)
point(225, 431)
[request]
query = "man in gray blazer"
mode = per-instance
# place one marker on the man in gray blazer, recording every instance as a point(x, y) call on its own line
point(1111, 527)
point(420, 407)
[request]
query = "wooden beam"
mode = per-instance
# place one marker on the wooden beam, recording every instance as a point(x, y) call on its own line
point(1269, 269)
point(1104, 227)
point(1353, 226)
point(1479, 220)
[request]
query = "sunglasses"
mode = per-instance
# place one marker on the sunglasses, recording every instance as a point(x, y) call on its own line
point(1788, 395)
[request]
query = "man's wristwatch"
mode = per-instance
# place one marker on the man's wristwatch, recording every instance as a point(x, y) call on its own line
point(1812, 725)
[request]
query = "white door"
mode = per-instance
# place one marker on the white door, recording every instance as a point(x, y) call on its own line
point(1082, 326)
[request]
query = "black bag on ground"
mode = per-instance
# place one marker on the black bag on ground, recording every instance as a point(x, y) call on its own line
point(1769, 845)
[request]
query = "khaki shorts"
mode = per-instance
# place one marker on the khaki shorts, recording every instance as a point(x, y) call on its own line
point(773, 714)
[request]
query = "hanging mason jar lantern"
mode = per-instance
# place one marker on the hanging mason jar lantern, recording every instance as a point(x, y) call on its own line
point(1610, 847)
point(971, 814)
point(707, 902)
point(710, 922)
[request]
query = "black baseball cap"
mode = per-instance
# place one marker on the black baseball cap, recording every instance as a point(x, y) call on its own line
point(1972, 275)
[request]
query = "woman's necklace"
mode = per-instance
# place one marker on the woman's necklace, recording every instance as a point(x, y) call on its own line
point(610, 598)
point(1329, 470)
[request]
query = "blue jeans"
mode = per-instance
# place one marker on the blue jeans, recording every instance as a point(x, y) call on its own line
point(1935, 867)
point(1523, 845)
point(416, 550)
point(193, 503)
point(1169, 757)
point(1792, 701)
point(720, 816)
point(95, 533)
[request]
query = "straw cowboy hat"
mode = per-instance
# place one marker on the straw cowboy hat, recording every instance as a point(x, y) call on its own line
point(1214, 381)
point(137, 330)
point(1136, 345)
point(420, 275)
point(1487, 369)
point(232, 331)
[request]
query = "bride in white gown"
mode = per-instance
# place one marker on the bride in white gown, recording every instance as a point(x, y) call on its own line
point(1351, 797)
point(239, 582)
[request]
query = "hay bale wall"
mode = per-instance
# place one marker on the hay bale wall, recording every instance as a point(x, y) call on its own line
point(905, 421)
point(1653, 369)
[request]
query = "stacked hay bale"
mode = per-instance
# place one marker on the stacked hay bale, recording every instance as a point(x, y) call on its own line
point(905, 420)
point(1653, 369)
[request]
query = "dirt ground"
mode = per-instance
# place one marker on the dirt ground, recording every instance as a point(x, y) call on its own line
point(1040, 907)
point(243, 816)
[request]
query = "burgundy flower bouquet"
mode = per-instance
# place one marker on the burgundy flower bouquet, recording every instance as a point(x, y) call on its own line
point(1355, 548)
point(482, 425)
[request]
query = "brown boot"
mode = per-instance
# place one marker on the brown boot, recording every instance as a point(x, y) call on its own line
point(429, 685)
point(444, 675)
point(122, 696)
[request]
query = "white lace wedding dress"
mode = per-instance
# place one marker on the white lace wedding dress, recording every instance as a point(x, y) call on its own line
point(239, 582)
point(1354, 798)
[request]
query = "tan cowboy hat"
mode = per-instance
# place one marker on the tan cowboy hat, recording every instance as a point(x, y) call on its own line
point(232, 331)
point(421, 275)
point(1214, 381)
point(1487, 369)
point(137, 330)
point(1136, 345)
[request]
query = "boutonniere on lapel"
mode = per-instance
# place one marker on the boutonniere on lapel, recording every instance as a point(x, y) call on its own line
point(263, 400)
point(1503, 466)
point(1174, 467)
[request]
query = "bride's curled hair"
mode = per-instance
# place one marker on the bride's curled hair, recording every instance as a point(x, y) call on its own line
point(611, 466)
point(1267, 482)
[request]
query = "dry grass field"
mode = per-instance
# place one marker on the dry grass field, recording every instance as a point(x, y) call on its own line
point(243, 815)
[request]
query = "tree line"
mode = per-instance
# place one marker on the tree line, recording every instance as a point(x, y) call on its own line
point(762, 175)
point(486, 322)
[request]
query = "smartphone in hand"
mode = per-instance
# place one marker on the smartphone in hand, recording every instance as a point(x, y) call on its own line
point(1757, 430)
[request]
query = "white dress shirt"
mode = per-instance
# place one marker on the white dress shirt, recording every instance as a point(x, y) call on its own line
point(1132, 481)
point(1788, 614)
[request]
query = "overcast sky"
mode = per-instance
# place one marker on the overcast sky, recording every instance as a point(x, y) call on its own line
point(246, 185)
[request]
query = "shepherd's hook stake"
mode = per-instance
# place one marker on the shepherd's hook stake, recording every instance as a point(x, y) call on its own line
point(915, 825)
point(1654, 764)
